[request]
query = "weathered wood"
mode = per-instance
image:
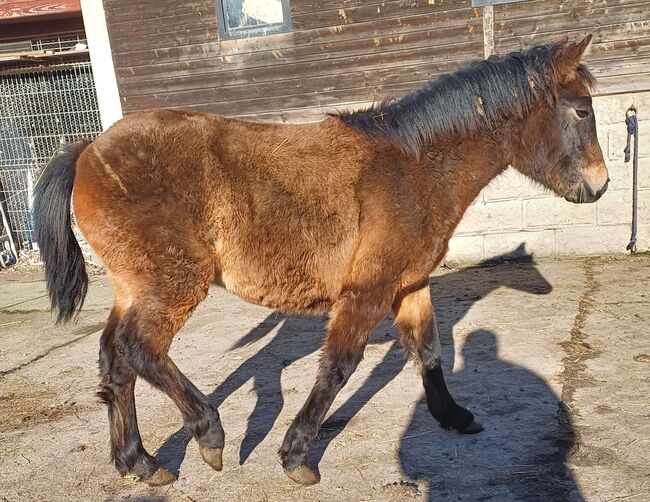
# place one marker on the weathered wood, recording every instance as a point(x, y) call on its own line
point(598, 20)
point(15, 9)
point(366, 82)
point(621, 30)
point(539, 8)
point(373, 11)
point(230, 90)
point(302, 54)
point(40, 27)
point(11, 64)
point(469, 49)
point(346, 52)
point(141, 45)
point(135, 40)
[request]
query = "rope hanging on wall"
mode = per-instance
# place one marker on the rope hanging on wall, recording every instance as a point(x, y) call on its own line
point(633, 130)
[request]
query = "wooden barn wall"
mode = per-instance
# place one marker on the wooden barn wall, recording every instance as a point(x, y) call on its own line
point(348, 53)
point(339, 54)
point(620, 53)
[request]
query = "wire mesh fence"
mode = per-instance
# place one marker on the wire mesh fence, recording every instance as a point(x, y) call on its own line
point(58, 44)
point(40, 109)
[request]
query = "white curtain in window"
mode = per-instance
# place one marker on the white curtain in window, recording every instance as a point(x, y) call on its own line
point(266, 11)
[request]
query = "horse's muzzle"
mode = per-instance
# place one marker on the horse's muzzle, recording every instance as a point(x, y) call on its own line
point(584, 193)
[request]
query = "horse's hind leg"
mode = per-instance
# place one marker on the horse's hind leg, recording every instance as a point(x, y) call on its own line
point(116, 391)
point(415, 317)
point(161, 308)
point(138, 346)
point(145, 347)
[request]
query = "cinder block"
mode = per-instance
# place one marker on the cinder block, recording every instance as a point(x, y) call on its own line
point(620, 174)
point(540, 243)
point(486, 217)
point(615, 207)
point(591, 240)
point(617, 141)
point(611, 109)
point(644, 173)
point(512, 185)
point(554, 212)
point(466, 248)
point(643, 236)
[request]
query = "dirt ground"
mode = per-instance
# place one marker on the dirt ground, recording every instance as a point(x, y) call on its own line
point(553, 358)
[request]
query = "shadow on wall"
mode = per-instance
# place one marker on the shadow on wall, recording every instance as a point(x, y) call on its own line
point(526, 440)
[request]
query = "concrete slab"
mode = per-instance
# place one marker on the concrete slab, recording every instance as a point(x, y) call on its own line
point(552, 358)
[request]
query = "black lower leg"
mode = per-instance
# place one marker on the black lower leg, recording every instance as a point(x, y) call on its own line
point(148, 358)
point(116, 391)
point(443, 407)
point(420, 338)
point(200, 416)
point(133, 457)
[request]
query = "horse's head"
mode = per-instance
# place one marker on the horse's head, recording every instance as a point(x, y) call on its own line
point(558, 146)
point(524, 276)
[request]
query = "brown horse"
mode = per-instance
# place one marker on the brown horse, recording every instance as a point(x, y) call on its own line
point(349, 215)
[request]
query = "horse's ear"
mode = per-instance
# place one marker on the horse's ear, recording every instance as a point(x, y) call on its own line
point(571, 53)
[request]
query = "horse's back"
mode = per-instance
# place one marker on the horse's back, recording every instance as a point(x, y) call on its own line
point(268, 211)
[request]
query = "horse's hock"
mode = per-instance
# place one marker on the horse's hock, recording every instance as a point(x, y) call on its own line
point(551, 358)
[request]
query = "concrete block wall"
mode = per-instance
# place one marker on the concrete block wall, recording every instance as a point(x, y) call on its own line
point(513, 210)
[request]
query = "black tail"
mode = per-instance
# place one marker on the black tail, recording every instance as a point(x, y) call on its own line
point(65, 269)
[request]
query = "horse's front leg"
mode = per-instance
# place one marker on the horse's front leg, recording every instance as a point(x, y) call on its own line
point(415, 317)
point(352, 319)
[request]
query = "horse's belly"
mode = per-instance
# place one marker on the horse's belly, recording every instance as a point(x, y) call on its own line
point(295, 292)
point(285, 276)
point(309, 298)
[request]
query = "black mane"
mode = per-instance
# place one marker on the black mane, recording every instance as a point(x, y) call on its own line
point(474, 97)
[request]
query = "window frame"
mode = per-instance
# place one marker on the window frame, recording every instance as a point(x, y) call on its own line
point(253, 31)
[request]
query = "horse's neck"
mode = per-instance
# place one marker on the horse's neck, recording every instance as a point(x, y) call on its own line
point(464, 166)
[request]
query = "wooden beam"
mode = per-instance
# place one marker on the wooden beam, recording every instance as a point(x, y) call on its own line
point(42, 56)
point(488, 30)
point(14, 10)
point(41, 28)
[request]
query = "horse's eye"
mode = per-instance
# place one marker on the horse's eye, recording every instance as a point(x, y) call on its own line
point(582, 113)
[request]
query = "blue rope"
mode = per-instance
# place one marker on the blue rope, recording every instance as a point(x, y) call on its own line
point(633, 130)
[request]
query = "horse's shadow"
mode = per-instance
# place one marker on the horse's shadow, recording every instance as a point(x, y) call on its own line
point(453, 295)
point(521, 453)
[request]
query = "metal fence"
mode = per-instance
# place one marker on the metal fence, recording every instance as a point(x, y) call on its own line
point(40, 109)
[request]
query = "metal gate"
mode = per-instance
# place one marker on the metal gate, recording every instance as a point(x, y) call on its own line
point(40, 108)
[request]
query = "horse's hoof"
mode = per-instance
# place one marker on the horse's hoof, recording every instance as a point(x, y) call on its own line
point(161, 477)
point(302, 475)
point(212, 457)
point(473, 428)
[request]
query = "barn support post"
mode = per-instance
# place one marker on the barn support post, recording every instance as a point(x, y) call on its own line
point(101, 58)
point(488, 31)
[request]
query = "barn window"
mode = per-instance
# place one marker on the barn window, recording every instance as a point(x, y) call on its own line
point(252, 18)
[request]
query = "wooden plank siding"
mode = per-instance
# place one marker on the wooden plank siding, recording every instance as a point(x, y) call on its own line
point(348, 53)
point(20, 9)
point(32, 19)
point(620, 53)
point(339, 54)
